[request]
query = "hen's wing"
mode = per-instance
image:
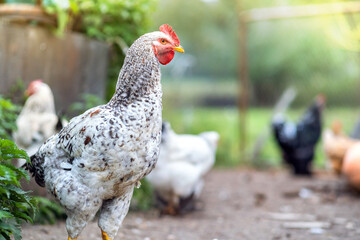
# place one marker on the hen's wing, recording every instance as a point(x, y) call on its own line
point(86, 144)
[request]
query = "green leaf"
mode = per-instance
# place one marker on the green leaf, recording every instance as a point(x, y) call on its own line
point(15, 205)
point(5, 214)
point(23, 216)
point(9, 175)
point(3, 190)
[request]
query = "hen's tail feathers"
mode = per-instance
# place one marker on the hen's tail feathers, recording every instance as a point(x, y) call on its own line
point(62, 122)
point(36, 169)
point(212, 138)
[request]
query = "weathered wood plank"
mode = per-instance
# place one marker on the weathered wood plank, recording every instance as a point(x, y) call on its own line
point(35, 54)
point(15, 49)
point(98, 52)
point(71, 65)
point(3, 40)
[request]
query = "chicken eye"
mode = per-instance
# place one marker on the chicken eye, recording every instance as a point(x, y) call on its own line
point(163, 41)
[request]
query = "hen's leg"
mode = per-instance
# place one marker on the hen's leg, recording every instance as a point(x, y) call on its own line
point(113, 212)
point(80, 202)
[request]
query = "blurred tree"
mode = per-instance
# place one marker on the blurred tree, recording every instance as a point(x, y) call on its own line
point(281, 53)
point(295, 52)
point(207, 30)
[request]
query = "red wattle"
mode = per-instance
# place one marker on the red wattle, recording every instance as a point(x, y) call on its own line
point(165, 58)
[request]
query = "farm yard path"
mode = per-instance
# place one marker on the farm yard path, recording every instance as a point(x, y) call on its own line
point(243, 204)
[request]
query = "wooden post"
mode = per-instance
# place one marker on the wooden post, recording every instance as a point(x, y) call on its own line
point(243, 84)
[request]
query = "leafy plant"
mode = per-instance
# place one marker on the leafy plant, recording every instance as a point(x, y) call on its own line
point(88, 101)
point(15, 205)
point(64, 10)
point(142, 198)
point(8, 115)
point(48, 211)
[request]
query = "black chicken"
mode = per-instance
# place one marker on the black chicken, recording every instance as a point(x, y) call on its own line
point(297, 140)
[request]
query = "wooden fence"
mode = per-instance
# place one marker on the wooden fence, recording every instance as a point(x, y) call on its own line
point(71, 65)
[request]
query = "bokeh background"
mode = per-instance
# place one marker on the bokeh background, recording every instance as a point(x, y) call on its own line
point(313, 55)
point(202, 87)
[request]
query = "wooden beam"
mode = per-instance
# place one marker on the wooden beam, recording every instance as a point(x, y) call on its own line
point(314, 10)
point(25, 12)
point(243, 85)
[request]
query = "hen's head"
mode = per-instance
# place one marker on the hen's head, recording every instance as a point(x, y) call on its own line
point(165, 43)
point(34, 87)
point(321, 100)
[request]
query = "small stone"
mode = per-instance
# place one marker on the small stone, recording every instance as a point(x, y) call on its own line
point(350, 225)
point(138, 221)
point(305, 193)
point(340, 221)
point(317, 231)
point(135, 231)
point(171, 237)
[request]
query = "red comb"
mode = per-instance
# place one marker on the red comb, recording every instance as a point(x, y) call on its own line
point(167, 29)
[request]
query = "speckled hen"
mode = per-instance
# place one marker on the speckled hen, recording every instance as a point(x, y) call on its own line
point(97, 159)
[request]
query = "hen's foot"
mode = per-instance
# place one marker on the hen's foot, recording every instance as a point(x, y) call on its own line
point(69, 238)
point(104, 235)
point(170, 210)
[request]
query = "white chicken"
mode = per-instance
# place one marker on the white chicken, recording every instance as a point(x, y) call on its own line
point(183, 161)
point(37, 120)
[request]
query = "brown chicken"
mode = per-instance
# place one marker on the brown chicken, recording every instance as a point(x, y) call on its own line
point(351, 165)
point(336, 144)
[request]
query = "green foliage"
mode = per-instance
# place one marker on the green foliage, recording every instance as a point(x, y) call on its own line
point(305, 60)
point(88, 101)
point(8, 115)
point(212, 40)
point(109, 19)
point(15, 205)
point(143, 197)
point(16, 93)
point(64, 10)
point(48, 211)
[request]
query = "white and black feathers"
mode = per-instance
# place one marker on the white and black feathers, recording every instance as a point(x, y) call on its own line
point(94, 162)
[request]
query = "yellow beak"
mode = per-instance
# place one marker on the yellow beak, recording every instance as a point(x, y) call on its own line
point(179, 49)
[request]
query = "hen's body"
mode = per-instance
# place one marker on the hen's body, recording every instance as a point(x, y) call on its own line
point(336, 144)
point(298, 140)
point(97, 158)
point(37, 120)
point(183, 161)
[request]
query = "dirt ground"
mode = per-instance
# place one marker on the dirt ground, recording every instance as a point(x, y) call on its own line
point(244, 204)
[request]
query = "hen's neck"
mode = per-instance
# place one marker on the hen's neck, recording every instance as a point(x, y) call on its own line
point(139, 77)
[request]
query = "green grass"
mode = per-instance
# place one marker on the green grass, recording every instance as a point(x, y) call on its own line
point(193, 91)
point(226, 122)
